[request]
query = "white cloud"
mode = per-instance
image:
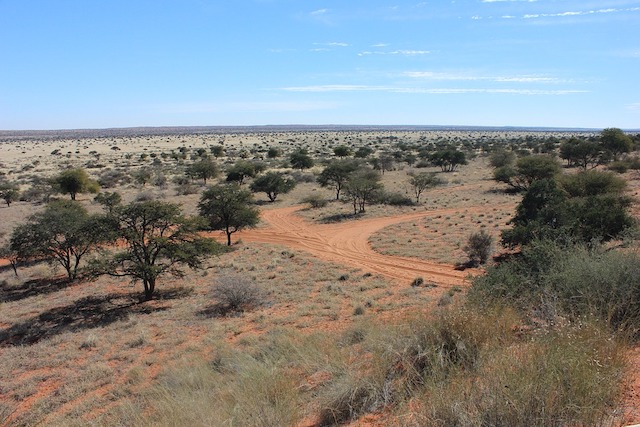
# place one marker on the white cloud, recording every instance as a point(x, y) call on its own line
point(502, 1)
point(333, 44)
point(429, 75)
point(319, 12)
point(244, 107)
point(380, 45)
point(433, 91)
point(396, 52)
point(580, 13)
point(332, 88)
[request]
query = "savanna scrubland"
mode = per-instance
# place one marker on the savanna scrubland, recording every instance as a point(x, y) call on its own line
point(374, 290)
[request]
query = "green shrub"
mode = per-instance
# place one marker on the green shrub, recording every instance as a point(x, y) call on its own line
point(479, 247)
point(578, 281)
point(315, 201)
point(393, 199)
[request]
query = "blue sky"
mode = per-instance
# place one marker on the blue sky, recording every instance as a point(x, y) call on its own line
point(121, 63)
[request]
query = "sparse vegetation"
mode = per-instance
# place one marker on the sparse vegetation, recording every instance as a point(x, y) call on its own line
point(269, 329)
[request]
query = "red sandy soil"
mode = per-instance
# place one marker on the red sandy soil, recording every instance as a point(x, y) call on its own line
point(347, 243)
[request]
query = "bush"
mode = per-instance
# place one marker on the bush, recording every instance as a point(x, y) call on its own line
point(418, 281)
point(301, 177)
point(113, 178)
point(479, 247)
point(316, 201)
point(576, 282)
point(186, 189)
point(393, 199)
point(235, 293)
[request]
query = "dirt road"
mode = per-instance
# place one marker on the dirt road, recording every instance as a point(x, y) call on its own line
point(347, 243)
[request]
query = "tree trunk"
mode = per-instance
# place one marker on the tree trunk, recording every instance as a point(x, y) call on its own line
point(228, 238)
point(149, 287)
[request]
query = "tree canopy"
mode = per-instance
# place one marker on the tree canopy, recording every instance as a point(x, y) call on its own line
point(301, 159)
point(422, 182)
point(272, 184)
point(203, 169)
point(336, 173)
point(243, 169)
point(228, 208)
point(157, 240)
point(527, 170)
point(9, 192)
point(361, 187)
point(616, 142)
point(74, 181)
point(64, 233)
point(448, 159)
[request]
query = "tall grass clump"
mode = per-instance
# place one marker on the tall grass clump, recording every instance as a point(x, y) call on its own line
point(560, 378)
point(398, 360)
point(461, 366)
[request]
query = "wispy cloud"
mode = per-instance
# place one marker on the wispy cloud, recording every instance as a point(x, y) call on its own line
point(434, 91)
point(333, 44)
point(430, 75)
point(509, 1)
point(580, 13)
point(319, 12)
point(244, 107)
point(395, 52)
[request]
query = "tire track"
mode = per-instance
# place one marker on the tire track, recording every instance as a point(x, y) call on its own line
point(348, 243)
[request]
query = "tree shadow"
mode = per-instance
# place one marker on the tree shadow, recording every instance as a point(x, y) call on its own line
point(32, 287)
point(85, 313)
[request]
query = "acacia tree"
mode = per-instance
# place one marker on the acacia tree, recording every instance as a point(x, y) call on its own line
point(273, 184)
point(336, 174)
point(243, 169)
point(74, 181)
point(383, 163)
point(158, 240)
point(616, 142)
point(527, 170)
point(361, 187)
point(228, 208)
point(581, 153)
point(109, 200)
point(422, 182)
point(300, 159)
point(448, 159)
point(342, 151)
point(9, 193)
point(203, 169)
point(64, 233)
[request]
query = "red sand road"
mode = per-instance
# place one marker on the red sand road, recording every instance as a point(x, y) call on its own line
point(347, 243)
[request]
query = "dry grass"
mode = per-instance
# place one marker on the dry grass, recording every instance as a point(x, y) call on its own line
point(86, 346)
point(80, 353)
point(459, 367)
